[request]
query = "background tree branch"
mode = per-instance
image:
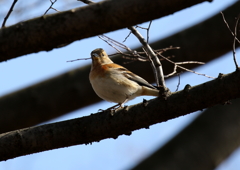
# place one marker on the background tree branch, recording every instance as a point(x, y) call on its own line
point(204, 144)
point(52, 31)
point(94, 127)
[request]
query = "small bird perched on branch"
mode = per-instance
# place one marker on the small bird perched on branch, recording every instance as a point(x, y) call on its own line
point(115, 83)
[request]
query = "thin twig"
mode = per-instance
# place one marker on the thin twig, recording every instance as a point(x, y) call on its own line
point(172, 73)
point(234, 43)
point(178, 82)
point(111, 41)
point(52, 3)
point(190, 62)
point(9, 12)
point(79, 59)
point(228, 27)
point(137, 26)
point(55, 9)
point(196, 72)
point(141, 28)
point(149, 26)
point(131, 57)
point(134, 58)
point(186, 62)
point(166, 49)
point(152, 65)
point(110, 44)
point(108, 39)
point(127, 36)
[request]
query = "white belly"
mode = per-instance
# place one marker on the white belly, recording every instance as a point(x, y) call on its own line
point(114, 90)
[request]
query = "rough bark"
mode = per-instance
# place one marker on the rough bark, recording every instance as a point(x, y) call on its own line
point(204, 144)
point(103, 125)
point(52, 31)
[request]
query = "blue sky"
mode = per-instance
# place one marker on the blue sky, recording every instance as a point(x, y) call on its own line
point(125, 151)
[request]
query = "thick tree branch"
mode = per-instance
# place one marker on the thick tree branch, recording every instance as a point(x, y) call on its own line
point(204, 144)
point(94, 127)
point(64, 93)
point(52, 31)
point(46, 100)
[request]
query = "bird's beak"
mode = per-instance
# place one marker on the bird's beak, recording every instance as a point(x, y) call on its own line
point(95, 55)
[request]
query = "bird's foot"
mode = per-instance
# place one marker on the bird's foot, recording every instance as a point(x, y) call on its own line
point(115, 108)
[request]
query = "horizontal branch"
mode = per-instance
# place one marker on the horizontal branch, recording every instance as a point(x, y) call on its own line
point(102, 125)
point(72, 90)
point(52, 31)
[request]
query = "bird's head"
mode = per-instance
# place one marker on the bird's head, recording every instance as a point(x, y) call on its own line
point(99, 56)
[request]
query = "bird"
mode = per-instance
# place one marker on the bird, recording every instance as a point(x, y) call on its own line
point(114, 83)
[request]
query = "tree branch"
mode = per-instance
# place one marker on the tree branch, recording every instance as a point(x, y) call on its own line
point(52, 31)
point(93, 128)
point(64, 93)
point(203, 144)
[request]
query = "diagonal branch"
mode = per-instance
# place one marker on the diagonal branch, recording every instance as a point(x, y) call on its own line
point(155, 62)
point(9, 12)
point(93, 128)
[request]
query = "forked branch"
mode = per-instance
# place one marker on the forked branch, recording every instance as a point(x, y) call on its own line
point(235, 38)
point(50, 7)
point(177, 65)
point(156, 64)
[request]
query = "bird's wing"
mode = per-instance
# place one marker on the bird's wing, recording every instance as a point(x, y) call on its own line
point(136, 78)
point(128, 74)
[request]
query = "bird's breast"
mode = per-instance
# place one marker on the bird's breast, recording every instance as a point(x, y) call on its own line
point(114, 87)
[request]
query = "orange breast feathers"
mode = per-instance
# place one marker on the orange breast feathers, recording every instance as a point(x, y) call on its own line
point(99, 70)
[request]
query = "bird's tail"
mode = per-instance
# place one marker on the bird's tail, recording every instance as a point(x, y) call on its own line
point(149, 91)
